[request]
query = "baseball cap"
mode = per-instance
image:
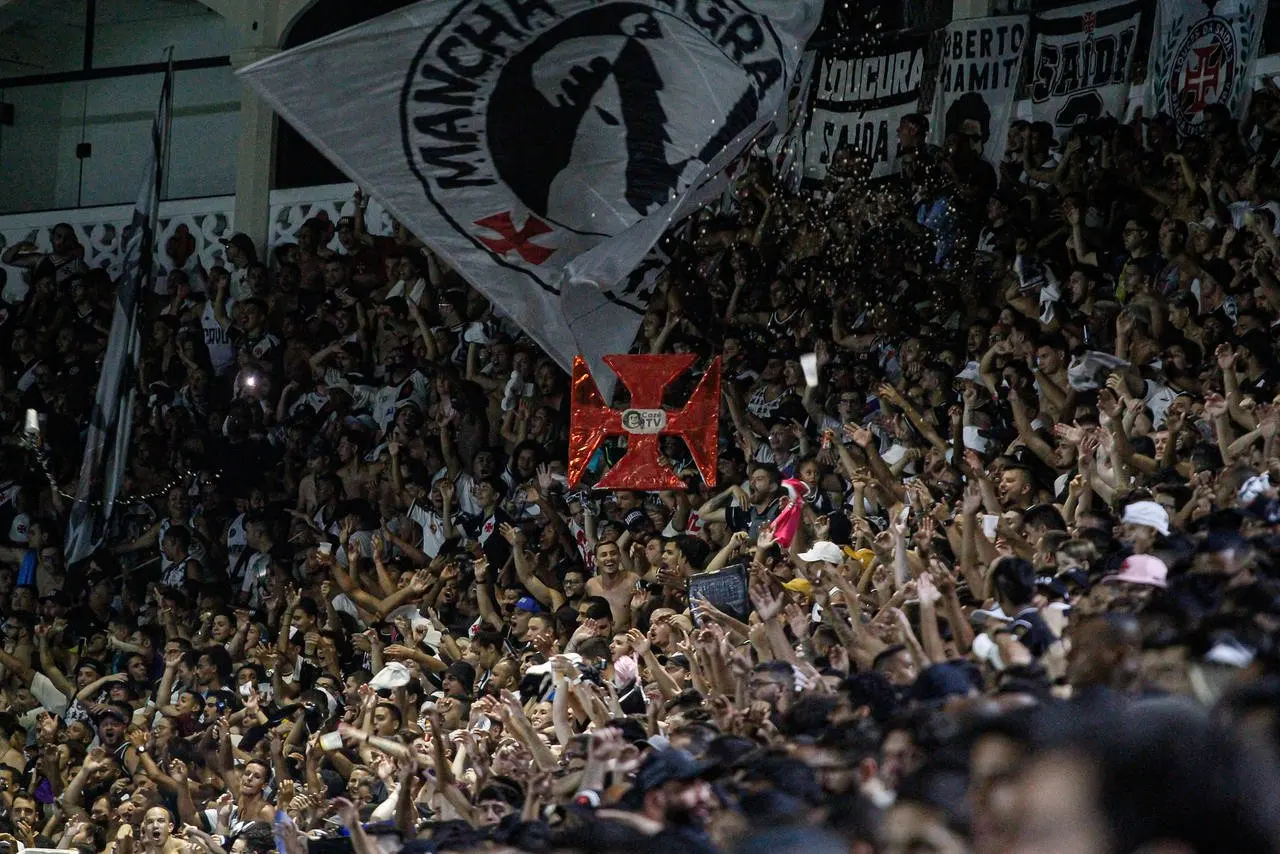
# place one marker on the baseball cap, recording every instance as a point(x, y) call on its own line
point(528, 603)
point(799, 585)
point(935, 684)
point(394, 675)
point(666, 766)
point(1147, 513)
point(241, 241)
point(823, 550)
point(114, 710)
point(1141, 569)
point(678, 659)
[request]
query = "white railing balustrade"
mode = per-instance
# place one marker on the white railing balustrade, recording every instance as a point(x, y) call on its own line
point(207, 220)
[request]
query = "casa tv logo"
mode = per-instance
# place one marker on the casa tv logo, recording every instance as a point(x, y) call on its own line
point(537, 126)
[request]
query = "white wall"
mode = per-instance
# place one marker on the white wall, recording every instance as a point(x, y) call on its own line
point(28, 172)
point(38, 166)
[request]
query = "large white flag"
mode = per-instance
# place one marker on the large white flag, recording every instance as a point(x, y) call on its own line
point(977, 79)
point(541, 147)
point(1203, 54)
point(1084, 62)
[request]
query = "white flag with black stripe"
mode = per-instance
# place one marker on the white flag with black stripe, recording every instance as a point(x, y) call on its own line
point(106, 447)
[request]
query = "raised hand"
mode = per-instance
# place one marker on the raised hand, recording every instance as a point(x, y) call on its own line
point(396, 650)
point(928, 592)
point(347, 812)
point(1215, 405)
point(766, 603)
point(1225, 357)
point(860, 436)
point(639, 642)
point(545, 479)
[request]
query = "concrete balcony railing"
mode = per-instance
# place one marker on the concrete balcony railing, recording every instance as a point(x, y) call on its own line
point(207, 220)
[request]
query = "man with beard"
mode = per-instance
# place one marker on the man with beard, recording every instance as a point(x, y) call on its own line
point(754, 510)
point(668, 802)
point(1105, 655)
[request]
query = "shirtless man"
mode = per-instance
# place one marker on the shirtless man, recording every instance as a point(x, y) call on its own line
point(154, 836)
point(613, 583)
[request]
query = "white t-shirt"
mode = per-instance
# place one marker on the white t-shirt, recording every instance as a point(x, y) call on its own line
point(48, 695)
point(432, 525)
point(236, 543)
point(222, 353)
point(413, 387)
point(239, 285)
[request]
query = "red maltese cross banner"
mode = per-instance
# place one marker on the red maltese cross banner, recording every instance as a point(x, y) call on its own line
point(644, 422)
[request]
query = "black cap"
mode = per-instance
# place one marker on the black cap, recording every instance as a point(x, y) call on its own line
point(678, 659)
point(241, 241)
point(119, 711)
point(465, 673)
point(667, 766)
point(935, 684)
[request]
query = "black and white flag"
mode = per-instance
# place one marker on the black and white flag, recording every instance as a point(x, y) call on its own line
point(1202, 56)
point(1083, 63)
point(106, 447)
point(862, 87)
point(542, 147)
point(977, 80)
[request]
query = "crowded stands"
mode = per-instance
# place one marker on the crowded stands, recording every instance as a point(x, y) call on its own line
point(1009, 563)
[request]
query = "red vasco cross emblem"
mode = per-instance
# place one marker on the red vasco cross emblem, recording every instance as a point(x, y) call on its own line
point(1203, 81)
point(646, 377)
point(520, 240)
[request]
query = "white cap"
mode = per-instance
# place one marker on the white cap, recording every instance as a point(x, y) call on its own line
point(394, 675)
point(1147, 513)
point(823, 550)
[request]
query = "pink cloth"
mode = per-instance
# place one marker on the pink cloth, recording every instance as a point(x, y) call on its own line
point(786, 524)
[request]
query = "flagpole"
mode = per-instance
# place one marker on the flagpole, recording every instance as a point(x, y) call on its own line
point(170, 81)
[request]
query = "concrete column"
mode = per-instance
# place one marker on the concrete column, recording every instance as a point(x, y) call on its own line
point(255, 155)
point(260, 27)
point(964, 9)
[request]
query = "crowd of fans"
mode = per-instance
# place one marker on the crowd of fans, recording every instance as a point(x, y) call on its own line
point(1010, 561)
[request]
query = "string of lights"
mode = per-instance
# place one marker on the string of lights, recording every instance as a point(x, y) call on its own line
point(40, 452)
